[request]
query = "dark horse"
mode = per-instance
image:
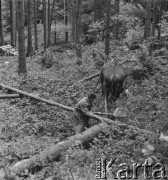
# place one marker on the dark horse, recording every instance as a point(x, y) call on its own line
point(112, 80)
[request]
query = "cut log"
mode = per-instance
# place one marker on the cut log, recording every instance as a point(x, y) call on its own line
point(53, 153)
point(54, 103)
point(103, 119)
point(97, 74)
point(36, 97)
point(4, 96)
point(92, 115)
point(8, 50)
point(89, 77)
point(106, 114)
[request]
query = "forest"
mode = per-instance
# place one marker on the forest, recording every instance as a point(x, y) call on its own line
point(105, 61)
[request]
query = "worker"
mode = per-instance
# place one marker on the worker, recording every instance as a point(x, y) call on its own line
point(80, 117)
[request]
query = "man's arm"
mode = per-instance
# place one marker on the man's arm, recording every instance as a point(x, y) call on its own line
point(84, 107)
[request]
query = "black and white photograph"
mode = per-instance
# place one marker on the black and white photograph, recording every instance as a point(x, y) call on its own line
point(83, 89)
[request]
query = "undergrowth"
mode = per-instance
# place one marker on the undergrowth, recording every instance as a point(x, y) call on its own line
point(29, 126)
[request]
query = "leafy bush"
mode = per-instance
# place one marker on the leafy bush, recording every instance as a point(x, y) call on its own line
point(134, 35)
point(47, 60)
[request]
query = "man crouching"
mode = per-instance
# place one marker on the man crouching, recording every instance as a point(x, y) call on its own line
point(80, 119)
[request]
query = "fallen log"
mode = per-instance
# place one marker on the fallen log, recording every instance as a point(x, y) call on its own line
point(36, 97)
point(106, 114)
point(89, 77)
point(97, 74)
point(51, 154)
point(54, 103)
point(92, 115)
point(103, 119)
point(54, 153)
point(4, 96)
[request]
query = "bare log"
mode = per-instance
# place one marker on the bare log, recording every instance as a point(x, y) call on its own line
point(97, 74)
point(92, 115)
point(54, 103)
point(122, 62)
point(36, 97)
point(89, 77)
point(4, 96)
point(100, 113)
point(53, 153)
point(103, 119)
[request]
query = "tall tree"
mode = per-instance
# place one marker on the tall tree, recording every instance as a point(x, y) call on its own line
point(25, 2)
point(160, 7)
point(73, 20)
point(50, 17)
point(29, 45)
point(79, 32)
point(117, 11)
point(35, 25)
point(55, 31)
point(21, 37)
point(147, 30)
point(107, 39)
point(154, 17)
point(98, 9)
point(66, 19)
point(13, 22)
point(45, 24)
point(1, 25)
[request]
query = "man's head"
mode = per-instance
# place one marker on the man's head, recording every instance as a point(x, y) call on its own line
point(91, 97)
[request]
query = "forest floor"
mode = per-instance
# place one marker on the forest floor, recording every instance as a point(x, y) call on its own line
point(28, 126)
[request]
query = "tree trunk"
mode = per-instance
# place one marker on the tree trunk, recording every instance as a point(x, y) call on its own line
point(79, 32)
point(96, 15)
point(148, 20)
point(1, 26)
point(35, 25)
point(66, 19)
point(21, 37)
point(98, 9)
point(159, 21)
point(55, 32)
point(5, 96)
point(44, 24)
point(53, 153)
point(25, 4)
point(74, 7)
point(16, 27)
point(29, 41)
point(117, 10)
point(50, 17)
point(13, 23)
point(107, 40)
point(49, 20)
point(154, 17)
